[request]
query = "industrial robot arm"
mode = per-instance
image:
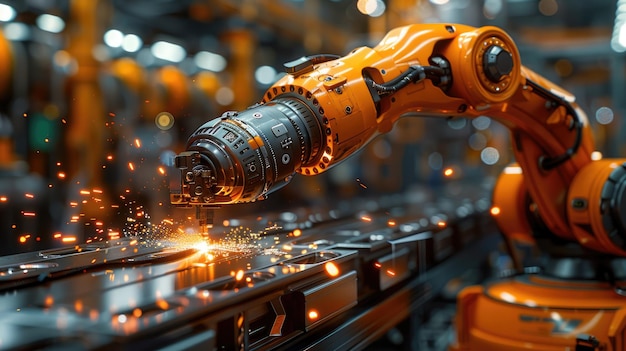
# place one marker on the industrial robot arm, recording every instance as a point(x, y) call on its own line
point(329, 107)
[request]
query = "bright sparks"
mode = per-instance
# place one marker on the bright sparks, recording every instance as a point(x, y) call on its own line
point(137, 143)
point(495, 210)
point(331, 269)
point(202, 247)
point(131, 166)
point(239, 275)
point(313, 315)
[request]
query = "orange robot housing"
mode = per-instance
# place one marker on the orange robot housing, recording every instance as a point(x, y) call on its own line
point(538, 313)
point(557, 195)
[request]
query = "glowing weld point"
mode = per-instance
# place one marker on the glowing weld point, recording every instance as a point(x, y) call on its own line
point(331, 269)
point(239, 275)
point(495, 211)
point(313, 315)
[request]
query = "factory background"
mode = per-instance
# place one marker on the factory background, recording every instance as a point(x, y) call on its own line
point(98, 97)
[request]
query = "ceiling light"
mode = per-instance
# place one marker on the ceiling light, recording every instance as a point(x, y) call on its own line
point(168, 51)
point(50, 23)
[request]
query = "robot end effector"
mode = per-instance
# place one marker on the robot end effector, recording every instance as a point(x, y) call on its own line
point(196, 182)
point(242, 156)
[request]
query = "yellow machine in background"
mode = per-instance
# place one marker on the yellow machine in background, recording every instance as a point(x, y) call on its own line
point(559, 198)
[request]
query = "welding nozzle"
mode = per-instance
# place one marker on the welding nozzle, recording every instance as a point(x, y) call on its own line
point(205, 215)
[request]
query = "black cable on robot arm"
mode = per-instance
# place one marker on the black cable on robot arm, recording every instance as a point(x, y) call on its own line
point(550, 162)
point(414, 74)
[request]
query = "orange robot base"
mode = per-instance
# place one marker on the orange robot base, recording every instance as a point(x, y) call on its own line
point(533, 312)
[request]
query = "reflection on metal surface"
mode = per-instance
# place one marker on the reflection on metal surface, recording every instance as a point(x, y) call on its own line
point(254, 288)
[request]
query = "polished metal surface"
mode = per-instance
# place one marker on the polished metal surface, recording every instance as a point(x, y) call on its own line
point(292, 278)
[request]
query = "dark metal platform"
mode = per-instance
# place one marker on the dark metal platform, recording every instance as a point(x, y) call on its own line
point(334, 279)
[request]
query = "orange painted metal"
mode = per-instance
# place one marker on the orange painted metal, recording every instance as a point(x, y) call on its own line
point(538, 313)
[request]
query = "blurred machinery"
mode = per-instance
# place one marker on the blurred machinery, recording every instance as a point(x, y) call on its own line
point(99, 97)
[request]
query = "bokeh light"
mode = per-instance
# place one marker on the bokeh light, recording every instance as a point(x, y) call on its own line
point(490, 155)
point(164, 120)
point(604, 115)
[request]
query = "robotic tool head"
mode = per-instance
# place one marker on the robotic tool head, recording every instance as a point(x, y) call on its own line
point(243, 156)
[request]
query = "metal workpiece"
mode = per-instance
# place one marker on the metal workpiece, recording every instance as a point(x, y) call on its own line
point(283, 289)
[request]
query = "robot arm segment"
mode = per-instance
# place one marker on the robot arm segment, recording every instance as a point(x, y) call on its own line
point(329, 107)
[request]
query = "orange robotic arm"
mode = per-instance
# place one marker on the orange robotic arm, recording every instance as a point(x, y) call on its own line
point(328, 107)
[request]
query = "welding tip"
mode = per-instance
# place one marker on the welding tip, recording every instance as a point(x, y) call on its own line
point(205, 219)
point(204, 229)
